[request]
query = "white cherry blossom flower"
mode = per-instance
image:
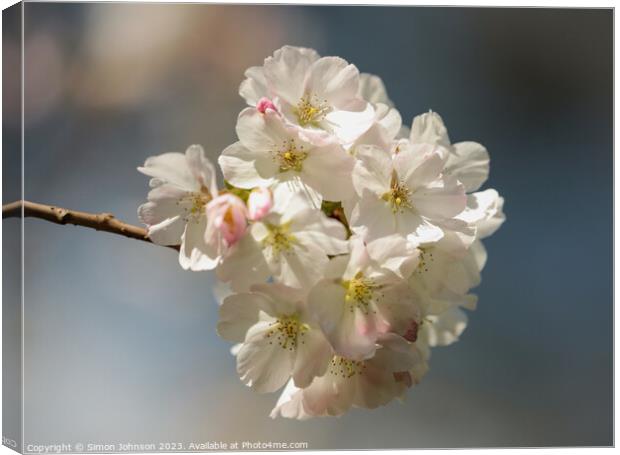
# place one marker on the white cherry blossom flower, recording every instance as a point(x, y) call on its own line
point(351, 383)
point(317, 95)
point(290, 244)
point(182, 185)
point(404, 193)
point(361, 299)
point(271, 151)
point(278, 337)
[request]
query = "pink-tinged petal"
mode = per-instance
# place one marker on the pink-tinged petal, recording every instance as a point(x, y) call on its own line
point(260, 202)
point(228, 215)
point(350, 330)
point(265, 104)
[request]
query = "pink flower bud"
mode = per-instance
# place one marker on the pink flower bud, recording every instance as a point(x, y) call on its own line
point(264, 104)
point(227, 214)
point(259, 203)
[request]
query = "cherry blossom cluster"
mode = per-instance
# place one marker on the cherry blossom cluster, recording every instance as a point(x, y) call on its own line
point(349, 243)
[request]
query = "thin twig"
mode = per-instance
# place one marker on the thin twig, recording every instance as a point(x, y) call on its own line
point(100, 222)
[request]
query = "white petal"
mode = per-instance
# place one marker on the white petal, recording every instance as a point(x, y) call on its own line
point(195, 253)
point(313, 356)
point(168, 232)
point(262, 363)
point(444, 199)
point(349, 124)
point(164, 214)
point(333, 80)
point(417, 165)
point(446, 328)
point(171, 168)
point(237, 314)
point(470, 164)
point(373, 170)
point(201, 168)
point(373, 217)
point(292, 267)
point(429, 128)
point(286, 71)
point(289, 404)
point(328, 170)
point(373, 90)
point(254, 87)
point(394, 253)
point(312, 226)
point(262, 132)
point(244, 168)
point(244, 265)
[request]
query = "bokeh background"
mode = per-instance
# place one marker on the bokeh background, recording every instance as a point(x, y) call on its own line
point(120, 342)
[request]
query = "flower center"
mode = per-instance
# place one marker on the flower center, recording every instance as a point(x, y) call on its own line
point(346, 368)
point(426, 257)
point(287, 331)
point(398, 196)
point(290, 157)
point(197, 202)
point(359, 293)
point(279, 238)
point(311, 110)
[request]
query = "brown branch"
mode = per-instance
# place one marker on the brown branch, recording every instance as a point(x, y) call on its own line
point(100, 222)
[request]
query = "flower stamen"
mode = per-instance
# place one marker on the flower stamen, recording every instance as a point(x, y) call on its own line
point(290, 157)
point(287, 331)
point(279, 238)
point(359, 292)
point(398, 196)
point(311, 110)
point(346, 368)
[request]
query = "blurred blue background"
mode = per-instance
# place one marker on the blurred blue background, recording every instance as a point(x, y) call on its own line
point(120, 342)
